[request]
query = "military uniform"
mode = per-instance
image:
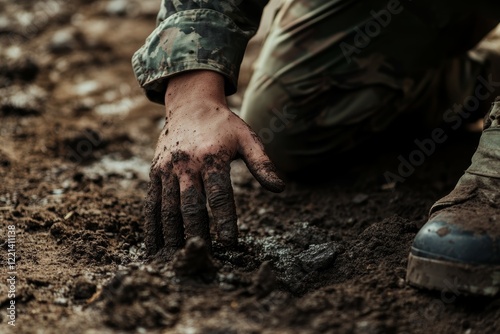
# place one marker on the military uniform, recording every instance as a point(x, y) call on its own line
point(334, 73)
point(331, 73)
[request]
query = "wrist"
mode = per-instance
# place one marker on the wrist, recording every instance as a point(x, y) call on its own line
point(195, 86)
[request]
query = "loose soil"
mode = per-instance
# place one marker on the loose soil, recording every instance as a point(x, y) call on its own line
point(77, 136)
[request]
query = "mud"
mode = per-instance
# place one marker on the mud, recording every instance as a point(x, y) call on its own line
point(473, 205)
point(324, 257)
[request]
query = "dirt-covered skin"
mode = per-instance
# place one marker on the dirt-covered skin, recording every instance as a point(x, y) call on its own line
point(200, 138)
point(325, 257)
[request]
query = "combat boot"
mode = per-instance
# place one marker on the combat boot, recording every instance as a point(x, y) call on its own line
point(458, 249)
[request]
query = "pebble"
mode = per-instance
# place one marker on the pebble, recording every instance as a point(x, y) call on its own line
point(264, 281)
point(61, 301)
point(22, 101)
point(117, 7)
point(227, 287)
point(57, 191)
point(86, 87)
point(318, 257)
point(243, 227)
point(64, 40)
point(360, 198)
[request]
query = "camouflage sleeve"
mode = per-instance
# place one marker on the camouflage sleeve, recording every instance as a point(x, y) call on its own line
point(195, 35)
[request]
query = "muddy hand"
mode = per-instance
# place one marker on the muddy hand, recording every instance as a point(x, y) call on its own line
point(192, 165)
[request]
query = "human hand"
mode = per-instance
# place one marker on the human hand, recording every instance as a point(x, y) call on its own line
point(192, 166)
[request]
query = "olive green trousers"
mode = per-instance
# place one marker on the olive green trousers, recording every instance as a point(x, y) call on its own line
point(332, 74)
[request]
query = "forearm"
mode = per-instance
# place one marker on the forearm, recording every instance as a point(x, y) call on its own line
point(201, 35)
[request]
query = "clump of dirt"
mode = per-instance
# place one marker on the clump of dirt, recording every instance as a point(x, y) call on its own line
point(139, 298)
point(77, 139)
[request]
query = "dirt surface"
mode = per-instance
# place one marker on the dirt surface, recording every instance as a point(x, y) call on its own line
point(77, 136)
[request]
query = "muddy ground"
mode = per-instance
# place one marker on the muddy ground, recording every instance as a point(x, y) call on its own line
point(77, 136)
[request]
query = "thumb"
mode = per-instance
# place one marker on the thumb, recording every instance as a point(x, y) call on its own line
point(259, 164)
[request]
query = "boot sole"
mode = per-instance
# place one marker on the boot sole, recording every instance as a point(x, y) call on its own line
point(453, 277)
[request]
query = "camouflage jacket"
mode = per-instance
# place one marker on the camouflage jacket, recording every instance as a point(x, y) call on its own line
point(196, 34)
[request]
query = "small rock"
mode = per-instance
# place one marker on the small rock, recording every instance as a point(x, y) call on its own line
point(22, 101)
point(243, 227)
point(117, 7)
point(318, 257)
point(227, 287)
point(57, 191)
point(65, 40)
point(86, 87)
point(84, 289)
point(360, 198)
point(61, 301)
point(388, 186)
point(264, 281)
